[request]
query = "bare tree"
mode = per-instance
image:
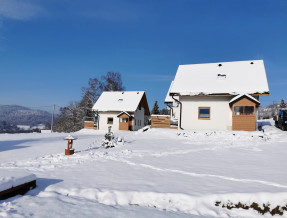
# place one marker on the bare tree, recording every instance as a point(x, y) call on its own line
point(93, 91)
point(112, 82)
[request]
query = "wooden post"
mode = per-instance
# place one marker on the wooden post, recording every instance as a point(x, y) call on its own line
point(70, 150)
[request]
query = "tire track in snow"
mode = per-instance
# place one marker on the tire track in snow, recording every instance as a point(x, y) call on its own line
point(202, 174)
point(168, 153)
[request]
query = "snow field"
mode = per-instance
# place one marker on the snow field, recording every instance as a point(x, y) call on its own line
point(157, 173)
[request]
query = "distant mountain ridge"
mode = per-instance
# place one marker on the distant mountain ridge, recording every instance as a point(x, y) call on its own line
point(19, 115)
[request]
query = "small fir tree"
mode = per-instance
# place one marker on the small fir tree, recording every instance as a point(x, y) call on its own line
point(155, 109)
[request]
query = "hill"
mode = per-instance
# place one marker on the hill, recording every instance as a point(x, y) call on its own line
point(19, 115)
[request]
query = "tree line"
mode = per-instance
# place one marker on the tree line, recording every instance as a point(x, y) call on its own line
point(271, 110)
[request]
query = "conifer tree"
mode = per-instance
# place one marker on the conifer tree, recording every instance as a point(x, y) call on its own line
point(155, 109)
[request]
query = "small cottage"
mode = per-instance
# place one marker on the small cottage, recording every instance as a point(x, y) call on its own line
point(122, 110)
point(218, 95)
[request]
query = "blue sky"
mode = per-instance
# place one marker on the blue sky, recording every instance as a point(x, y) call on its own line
point(50, 48)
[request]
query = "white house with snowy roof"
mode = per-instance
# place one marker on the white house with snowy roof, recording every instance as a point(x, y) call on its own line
point(218, 95)
point(122, 110)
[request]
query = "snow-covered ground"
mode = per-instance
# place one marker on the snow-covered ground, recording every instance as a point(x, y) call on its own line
point(157, 173)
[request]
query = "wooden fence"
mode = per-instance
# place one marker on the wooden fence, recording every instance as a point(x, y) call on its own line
point(89, 125)
point(161, 121)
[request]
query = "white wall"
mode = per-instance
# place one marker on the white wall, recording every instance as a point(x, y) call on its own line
point(104, 119)
point(139, 115)
point(174, 113)
point(176, 110)
point(220, 112)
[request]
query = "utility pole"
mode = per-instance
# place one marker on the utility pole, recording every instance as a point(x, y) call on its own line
point(52, 123)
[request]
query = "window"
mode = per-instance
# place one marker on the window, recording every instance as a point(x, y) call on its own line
point(110, 120)
point(243, 110)
point(204, 113)
point(135, 122)
point(124, 120)
point(138, 122)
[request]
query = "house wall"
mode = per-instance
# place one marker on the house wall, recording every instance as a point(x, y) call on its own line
point(220, 112)
point(176, 110)
point(139, 115)
point(103, 121)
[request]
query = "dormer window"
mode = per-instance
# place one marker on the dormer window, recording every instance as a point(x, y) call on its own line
point(120, 100)
point(221, 76)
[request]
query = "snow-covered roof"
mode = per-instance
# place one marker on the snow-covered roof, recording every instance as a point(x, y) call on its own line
point(70, 137)
point(124, 112)
point(119, 101)
point(233, 78)
point(168, 98)
point(241, 95)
